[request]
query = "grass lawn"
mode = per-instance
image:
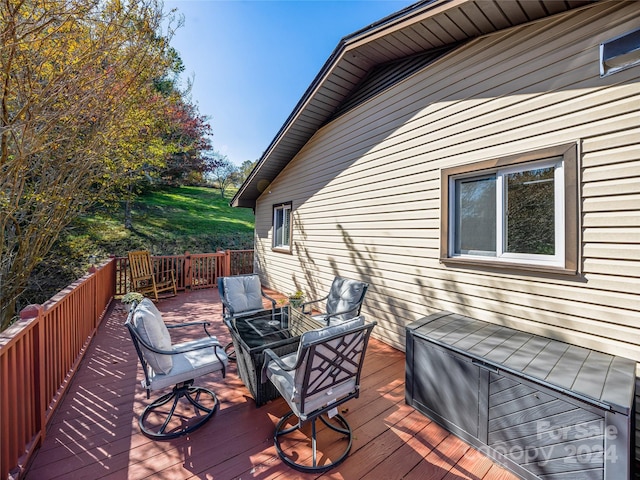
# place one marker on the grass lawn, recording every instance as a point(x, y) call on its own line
point(173, 220)
point(166, 221)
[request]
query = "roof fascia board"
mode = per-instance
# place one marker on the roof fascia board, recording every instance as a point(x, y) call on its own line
point(398, 23)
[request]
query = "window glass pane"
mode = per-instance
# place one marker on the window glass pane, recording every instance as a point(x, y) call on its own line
point(277, 235)
point(286, 214)
point(281, 226)
point(529, 213)
point(475, 216)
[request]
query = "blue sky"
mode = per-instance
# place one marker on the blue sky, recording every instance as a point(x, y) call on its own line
point(251, 61)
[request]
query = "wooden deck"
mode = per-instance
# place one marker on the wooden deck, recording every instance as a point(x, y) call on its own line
point(95, 435)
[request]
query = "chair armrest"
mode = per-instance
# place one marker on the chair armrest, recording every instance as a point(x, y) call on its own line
point(272, 356)
point(213, 343)
point(272, 300)
point(329, 316)
point(312, 301)
point(190, 324)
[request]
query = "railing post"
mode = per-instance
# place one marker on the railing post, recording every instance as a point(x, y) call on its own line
point(227, 263)
point(35, 313)
point(186, 271)
point(94, 296)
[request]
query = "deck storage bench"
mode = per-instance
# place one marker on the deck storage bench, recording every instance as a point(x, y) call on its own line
point(541, 407)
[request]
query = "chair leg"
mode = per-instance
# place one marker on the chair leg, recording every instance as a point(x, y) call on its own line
point(155, 420)
point(338, 424)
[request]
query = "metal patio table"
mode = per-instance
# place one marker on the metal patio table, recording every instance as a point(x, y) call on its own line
point(277, 329)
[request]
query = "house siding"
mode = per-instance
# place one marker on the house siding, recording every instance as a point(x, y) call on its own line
point(366, 188)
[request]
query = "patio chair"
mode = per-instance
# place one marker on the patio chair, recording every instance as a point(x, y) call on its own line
point(344, 301)
point(323, 374)
point(166, 365)
point(143, 278)
point(241, 295)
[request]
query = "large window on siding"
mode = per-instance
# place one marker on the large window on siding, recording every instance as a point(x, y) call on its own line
point(282, 227)
point(518, 211)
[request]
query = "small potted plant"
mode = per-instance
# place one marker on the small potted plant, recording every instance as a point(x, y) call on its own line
point(132, 297)
point(296, 299)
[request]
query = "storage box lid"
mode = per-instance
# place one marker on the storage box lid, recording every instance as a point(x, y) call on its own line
point(605, 380)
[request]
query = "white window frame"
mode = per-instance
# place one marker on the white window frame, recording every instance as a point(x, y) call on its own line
point(500, 255)
point(286, 209)
point(565, 259)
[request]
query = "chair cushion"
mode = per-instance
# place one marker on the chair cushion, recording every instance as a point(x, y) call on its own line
point(190, 365)
point(344, 296)
point(283, 379)
point(243, 293)
point(324, 332)
point(148, 322)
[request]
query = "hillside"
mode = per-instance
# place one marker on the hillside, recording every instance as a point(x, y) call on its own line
point(173, 220)
point(166, 221)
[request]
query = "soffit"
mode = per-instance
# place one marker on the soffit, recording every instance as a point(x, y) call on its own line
point(429, 25)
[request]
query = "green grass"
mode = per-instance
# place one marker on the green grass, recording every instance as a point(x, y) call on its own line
point(166, 221)
point(173, 220)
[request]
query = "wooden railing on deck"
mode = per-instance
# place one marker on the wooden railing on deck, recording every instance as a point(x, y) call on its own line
point(192, 270)
point(38, 356)
point(40, 353)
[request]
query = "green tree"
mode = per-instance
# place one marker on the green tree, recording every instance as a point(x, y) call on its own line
point(71, 72)
point(245, 170)
point(222, 172)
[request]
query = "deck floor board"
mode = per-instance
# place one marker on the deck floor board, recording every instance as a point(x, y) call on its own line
point(94, 433)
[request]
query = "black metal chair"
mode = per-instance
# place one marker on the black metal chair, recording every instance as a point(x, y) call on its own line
point(241, 295)
point(344, 301)
point(323, 374)
point(166, 365)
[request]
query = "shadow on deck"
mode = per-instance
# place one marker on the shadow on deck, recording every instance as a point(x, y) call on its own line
point(95, 435)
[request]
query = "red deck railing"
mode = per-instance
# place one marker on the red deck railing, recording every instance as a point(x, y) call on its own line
point(40, 353)
point(192, 270)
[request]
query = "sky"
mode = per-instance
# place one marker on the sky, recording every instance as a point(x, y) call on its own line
point(251, 61)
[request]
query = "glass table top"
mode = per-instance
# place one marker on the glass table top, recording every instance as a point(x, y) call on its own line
point(269, 327)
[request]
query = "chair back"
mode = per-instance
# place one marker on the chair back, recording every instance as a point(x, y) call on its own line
point(240, 294)
point(329, 366)
point(345, 296)
point(140, 264)
point(148, 331)
point(141, 269)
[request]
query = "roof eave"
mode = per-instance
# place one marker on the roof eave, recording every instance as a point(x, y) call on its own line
point(351, 41)
point(295, 130)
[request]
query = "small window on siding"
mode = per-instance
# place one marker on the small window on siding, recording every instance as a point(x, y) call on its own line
point(282, 227)
point(620, 53)
point(516, 212)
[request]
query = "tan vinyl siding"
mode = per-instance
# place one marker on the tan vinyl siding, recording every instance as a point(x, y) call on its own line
point(366, 188)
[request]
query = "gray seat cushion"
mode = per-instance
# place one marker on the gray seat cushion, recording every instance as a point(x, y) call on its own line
point(190, 365)
point(243, 293)
point(148, 322)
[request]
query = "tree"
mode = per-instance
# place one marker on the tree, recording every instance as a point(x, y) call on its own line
point(167, 142)
point(187, 132)
point(222, 171)
point(245, 170)
point(71, 72)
